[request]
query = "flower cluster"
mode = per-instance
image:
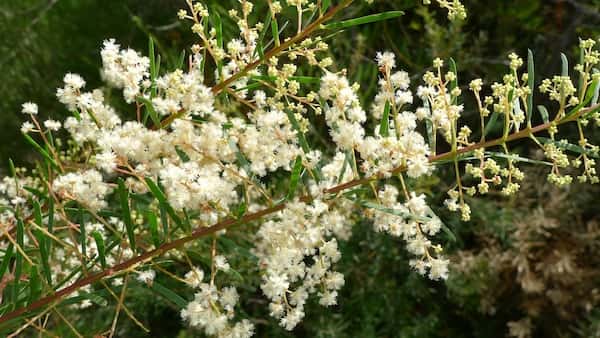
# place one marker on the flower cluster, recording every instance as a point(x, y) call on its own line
point(183, 92)
point(297, 252)
point(212, 309)
point(124, 68)
point(414, 222)
point(86, 187)
point(268, 124)
point(456, 10)
point(396, 142)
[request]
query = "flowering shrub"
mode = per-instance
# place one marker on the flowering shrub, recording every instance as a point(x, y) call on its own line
point(220, 146)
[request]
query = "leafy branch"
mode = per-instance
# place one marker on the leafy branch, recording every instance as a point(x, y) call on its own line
point(229, 222)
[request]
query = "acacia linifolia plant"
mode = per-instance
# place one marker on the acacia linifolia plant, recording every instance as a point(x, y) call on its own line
point(102, 208)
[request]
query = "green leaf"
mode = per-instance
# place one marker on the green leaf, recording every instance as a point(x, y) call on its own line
point(164, 219)
point(530, 84)
point(251, 86)
point(37, 193)
point(569, 146)
point(596, 92)
point(126, 212)
point(158, 63)
point(8, 253)
point(449, 233)
point(235, 274)
point(385, 121)
point(565, 64)
point(364, 20)
point(429, 128)
point(151, 111)
point(587, 99)
point(93, 297)
point(347, 159)
point(325, 5)
point(182, 155)
point(50, 221)
point(491, 123)
point(37, 213)
point(453, 83)
point(392, 211)
point(181, 60)
point(275, 31)
point(241, 159)
point(544, 113)
point(234, 247)
point(42, 151)
point(592, 92)
point(153, 225)
point(101, 248)
point(162, 200)
point(187, 223)
point(154, 68)
point(261, 38)
point(305, 79)
point(35, 285)
point(18, 262)
point(69, 278)
point(516, 158)
point(241, 210)
point(169, 294)
point(13, 170)
point(44, 255)
point(295, 177)
point(152, 57)
point(218, 25)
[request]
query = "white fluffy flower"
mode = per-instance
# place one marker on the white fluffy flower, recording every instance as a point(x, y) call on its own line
point(212, 310)
point(221, 263)
point(270, 143)
point(386, 60)
point(29, 108)
point(438, 269)
point(400, 80)
point(86, 187)
point(146, 276)
point(191, 185)
point(194, 277)
point(124, 69)
point(27, 127)
point(74, 81)
point(52, 125)
point(106, 161)
point(298, 258)
point(179, 91)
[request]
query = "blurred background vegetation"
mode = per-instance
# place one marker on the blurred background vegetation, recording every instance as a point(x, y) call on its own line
point(527, 266)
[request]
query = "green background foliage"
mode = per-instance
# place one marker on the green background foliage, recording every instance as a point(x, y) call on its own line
point(40, 41)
